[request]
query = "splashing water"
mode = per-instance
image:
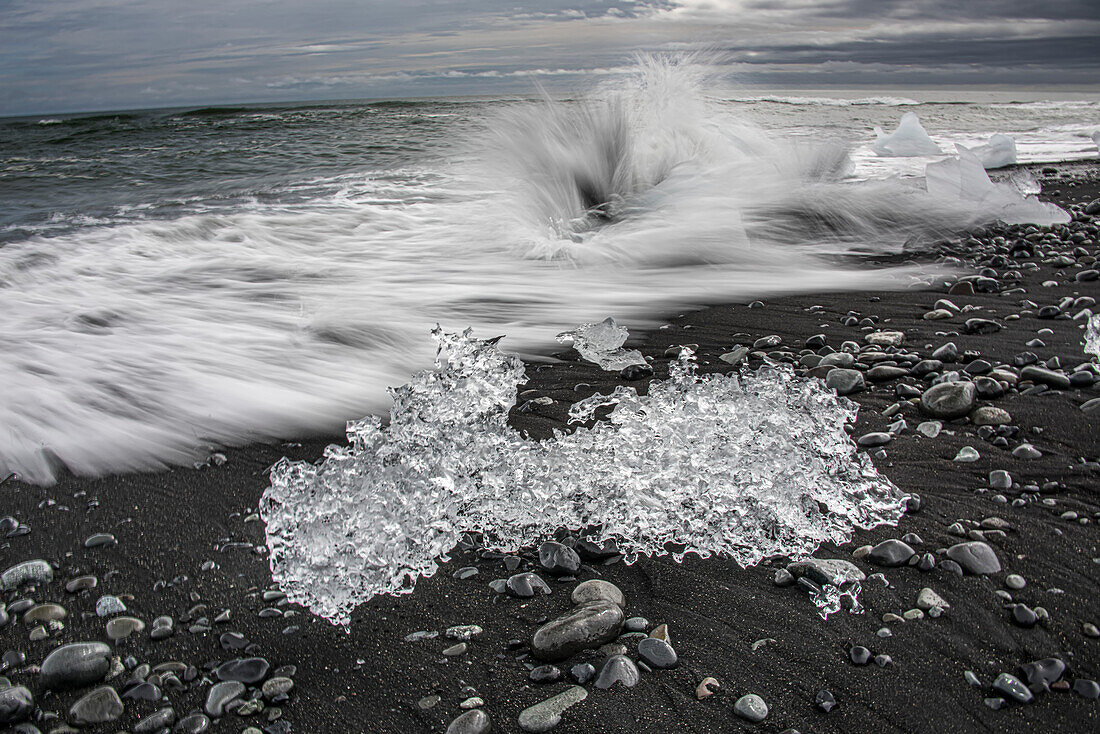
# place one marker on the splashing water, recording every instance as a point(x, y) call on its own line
point(139, 344)
point(742, 466)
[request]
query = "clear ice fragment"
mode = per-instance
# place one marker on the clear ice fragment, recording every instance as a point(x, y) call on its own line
point(602, 344)
point(1092, 336)
point(910, 139)
point(742, 466)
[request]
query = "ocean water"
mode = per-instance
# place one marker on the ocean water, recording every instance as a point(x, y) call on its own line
point(173, 281)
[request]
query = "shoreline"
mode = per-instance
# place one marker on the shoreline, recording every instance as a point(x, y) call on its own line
point(173, 524)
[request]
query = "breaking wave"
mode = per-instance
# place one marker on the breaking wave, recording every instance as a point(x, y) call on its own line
point(141, 344)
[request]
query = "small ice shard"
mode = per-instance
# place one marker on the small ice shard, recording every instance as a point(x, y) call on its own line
point(1092, 337)
point(744, 466)
point(910, 139)
point(602, 344)
point(1096, 140)
point(999, 152)
point(963, 179)
point(1025, 182)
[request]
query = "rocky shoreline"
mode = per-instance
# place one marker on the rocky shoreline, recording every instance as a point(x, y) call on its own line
point(144, 603)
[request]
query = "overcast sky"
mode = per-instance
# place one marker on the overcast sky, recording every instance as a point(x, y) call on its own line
point(76, 55)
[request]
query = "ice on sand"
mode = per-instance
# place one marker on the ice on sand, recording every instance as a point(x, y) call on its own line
point(963, 179)
point(1092, 336)
point(910, 139)
point(743, 466)
point(602, 344)
point(999, 152)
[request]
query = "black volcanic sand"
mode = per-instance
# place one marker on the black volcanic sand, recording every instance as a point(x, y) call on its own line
point(169, 524)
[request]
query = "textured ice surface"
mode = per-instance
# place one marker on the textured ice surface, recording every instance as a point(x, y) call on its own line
point(1025, 182)
point(910, 139)
point(1092, 336)
point(963, 179)
point(999, 152)
point(602, 344)
point(743, 466)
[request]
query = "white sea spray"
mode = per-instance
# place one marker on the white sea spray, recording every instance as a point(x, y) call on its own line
point(744, 466)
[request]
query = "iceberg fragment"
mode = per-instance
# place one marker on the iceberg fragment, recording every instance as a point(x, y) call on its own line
point(999, 152)
point(1092, 336)
point(602, 344)
point(742, 466)
point(910, 139)
point(963, 179)
point(1025, 182)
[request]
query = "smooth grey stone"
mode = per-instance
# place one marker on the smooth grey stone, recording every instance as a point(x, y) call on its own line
point(1015, 581)
point(1043, 376)
point(193, 724)
point(16, 704)
point(981, 326)
point(27, 572)
point(1024, 616)
point(823, 571)
point(975, 557)
point(44, 613)
point(109, 605)
point(162, 719)
point(860, 655)
point(870, 440)
point(278, 686)
point(471, 722)
point(657, 654)
point(988, 415)
point(617, 669)
point(221, 694)
point(1087, 688)
point(635, 624)
point(1047, 670)
point(98, 707)
point(526, 585)
point(1011, 686)
point(81, 583)
point(825, 701)
point(559, 559)
point(928, 599)
point(75, 665)
point(582, 672)
point(545, 674)
point(120, 628)
point(843, 360)
point(598, 590)
point(845, 381)
point(587, 626)
point(890, 553)
point(545, 715)
point(99, 539)
point(1026, 451)
point(949, 400)
point(751, 708)
point(245, 670)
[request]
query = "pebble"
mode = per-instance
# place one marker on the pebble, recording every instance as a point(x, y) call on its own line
point(99, 540)
point(825, 701)
point(989, 415)
point(221, 694)
point(120, 628)
point(582, 672)
point(75, 665)
point(545, 674)
point(16, 705)
point(44, 613)
point(27, 572)
point(929, 429)
point(860, 655)
point(1086, 688)
point(890, 553)
point(162, 719)
point(598, 590)
point(587, 626)
point(1026, 451)
point(975, 557)
point(475, 721)
point(751, 708)
point(967, 455)
point(246, 670)
point(657, 654)
point(526, 585)
point(1015, 581)
point(98, 707)
point(108, 606)
point(195, 723)
point(949, 399)
point(845, 381)
point(928, 599)
point(545, 715)
point(559, 559)
point(463, 632)
point(706, 688)
point(617, 669)
point(81, 583)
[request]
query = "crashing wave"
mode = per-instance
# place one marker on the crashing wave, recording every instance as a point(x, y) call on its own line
point(744, 466)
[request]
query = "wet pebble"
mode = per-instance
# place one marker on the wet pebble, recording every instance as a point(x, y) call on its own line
point(751, 708)
point(617, 669)
point(98, 707)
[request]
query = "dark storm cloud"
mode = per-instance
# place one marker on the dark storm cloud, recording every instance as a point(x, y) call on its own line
point(96, 54)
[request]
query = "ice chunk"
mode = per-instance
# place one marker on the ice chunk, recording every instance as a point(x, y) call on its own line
point(910, 139)
point(1092, 336)
point(602, 344)
point(999, 152)
point(964, 179)
point(745, 467)
point(1096, 140)
point(1025, 182)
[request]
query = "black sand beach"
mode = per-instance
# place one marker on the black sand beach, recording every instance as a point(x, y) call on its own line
point(171, 525)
